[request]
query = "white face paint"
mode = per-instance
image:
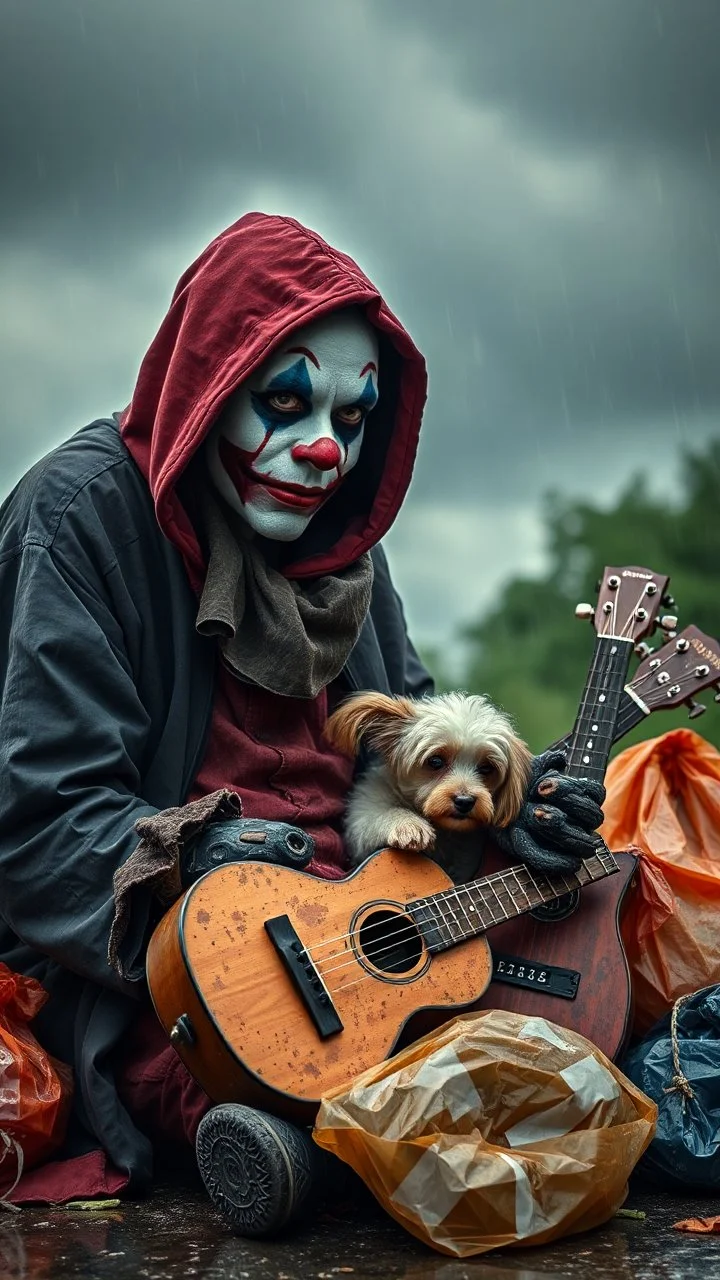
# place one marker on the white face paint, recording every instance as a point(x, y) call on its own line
point(288, 436)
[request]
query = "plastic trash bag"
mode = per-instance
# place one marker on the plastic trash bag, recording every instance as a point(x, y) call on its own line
point(34, 1089)
point(663, 797)
point(498, 1129)
point(680, 1070)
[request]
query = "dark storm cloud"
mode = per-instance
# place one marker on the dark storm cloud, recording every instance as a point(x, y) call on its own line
point(621, 73)
point(534, 184)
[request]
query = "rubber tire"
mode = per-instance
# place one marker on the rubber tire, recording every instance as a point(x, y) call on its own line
point(257, 1170)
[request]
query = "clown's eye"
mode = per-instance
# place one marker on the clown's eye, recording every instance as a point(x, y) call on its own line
point(286, 402)
point(352, 416)
point(435, 762)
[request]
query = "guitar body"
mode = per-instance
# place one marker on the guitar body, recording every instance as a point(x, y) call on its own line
point(228, 994)
point(585, 946)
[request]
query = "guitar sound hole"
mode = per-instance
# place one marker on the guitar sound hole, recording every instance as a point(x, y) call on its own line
point(558, 909)
point(390, 942)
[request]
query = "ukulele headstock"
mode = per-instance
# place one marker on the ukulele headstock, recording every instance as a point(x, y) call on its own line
point(675, 673)
point(629, 602)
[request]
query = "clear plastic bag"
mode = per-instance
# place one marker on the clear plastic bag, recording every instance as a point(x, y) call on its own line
point(498, 1129)
point(34, 1089)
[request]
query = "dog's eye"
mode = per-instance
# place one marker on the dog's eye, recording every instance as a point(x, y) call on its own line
point(484, 769)
point(435, 762)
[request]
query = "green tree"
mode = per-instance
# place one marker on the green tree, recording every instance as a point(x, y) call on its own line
point(531, 655)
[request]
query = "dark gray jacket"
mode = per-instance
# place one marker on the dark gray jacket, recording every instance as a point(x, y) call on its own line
point(107, 691)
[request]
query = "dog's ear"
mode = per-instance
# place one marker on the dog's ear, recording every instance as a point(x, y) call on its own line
point(375, 718)
point(508, 799)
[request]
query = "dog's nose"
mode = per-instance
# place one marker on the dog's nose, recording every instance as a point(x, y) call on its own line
point(463, 804)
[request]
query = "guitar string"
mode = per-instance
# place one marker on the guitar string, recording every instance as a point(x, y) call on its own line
point(627, 719)
point(365, 977)
point(575, 748)
point(687, 676)
point(413, 928)
point(603, 667)
point(450, 924)
point(605, 664)
point(442, 920)
point(611, 621)
point(599, 665)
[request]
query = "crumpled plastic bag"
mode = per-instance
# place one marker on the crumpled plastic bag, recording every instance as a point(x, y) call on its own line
point(663, 797)
point(35, 1090)
point(684, 1080)
point(498, 1129)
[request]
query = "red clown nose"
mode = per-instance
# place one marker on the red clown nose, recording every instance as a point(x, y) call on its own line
point(324, 454)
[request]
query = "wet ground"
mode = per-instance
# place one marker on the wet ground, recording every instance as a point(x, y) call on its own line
point(176, 1234)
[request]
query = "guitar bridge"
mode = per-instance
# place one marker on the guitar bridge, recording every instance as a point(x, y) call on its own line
point(304, 976)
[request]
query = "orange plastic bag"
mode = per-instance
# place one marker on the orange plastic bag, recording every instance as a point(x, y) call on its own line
point(498, 1129)
point(34, 1089)
point(663, 796)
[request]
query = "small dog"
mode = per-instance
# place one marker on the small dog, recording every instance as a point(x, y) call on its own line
point(448, 763)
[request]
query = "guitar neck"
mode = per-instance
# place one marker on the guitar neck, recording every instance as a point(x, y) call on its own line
point(631, 712)
point(589, 745)
point(452, 916)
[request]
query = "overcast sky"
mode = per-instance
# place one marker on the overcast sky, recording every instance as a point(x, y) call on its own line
point(534, 184)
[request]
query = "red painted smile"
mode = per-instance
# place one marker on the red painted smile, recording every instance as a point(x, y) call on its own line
point(238, 464)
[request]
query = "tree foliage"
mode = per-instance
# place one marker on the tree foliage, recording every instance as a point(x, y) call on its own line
point(530, 654)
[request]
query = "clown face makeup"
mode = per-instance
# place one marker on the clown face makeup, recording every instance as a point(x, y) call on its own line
point(289, 435)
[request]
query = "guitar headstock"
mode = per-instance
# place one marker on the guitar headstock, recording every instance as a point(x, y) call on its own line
point(629, 603)
point(683, 667)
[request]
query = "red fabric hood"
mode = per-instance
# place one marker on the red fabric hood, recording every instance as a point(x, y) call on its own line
point(259, 280)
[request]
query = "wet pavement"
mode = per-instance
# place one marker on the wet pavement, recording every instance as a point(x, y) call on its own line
point(176, 1234)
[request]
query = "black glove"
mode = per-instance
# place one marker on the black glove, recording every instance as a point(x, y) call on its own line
point(244, 840)
point(556, 826)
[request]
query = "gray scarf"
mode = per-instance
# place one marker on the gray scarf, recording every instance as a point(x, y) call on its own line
point(291, 638)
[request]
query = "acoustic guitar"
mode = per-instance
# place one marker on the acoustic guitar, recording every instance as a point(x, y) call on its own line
point(275, 987)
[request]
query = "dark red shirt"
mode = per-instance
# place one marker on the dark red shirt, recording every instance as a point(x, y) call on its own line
point(271, 751)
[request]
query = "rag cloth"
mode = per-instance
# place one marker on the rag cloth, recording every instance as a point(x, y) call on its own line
point(155, 862)
point(291, 638)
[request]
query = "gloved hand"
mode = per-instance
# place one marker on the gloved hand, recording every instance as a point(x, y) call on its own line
point(556, 826)
point(243, 840)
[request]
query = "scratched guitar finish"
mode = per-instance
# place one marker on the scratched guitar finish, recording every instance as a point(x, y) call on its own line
point(276, 987)
point(252, 1029)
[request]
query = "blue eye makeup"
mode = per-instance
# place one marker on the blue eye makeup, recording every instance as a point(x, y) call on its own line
point(367, 401)
point(294, 381)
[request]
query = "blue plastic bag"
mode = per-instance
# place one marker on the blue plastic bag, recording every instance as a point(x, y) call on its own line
point(680, 1070)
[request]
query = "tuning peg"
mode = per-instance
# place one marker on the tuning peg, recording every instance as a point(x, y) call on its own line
point(585, 612)
point(598, 585)
point(668, 622)
point(643, 649)
point(697, 708)
point(668, 601)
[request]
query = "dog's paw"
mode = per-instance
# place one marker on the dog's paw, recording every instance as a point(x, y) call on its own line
point(412, 833)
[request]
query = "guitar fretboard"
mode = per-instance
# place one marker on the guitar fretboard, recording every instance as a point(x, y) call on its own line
point(450, 917)
point(594, 731)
